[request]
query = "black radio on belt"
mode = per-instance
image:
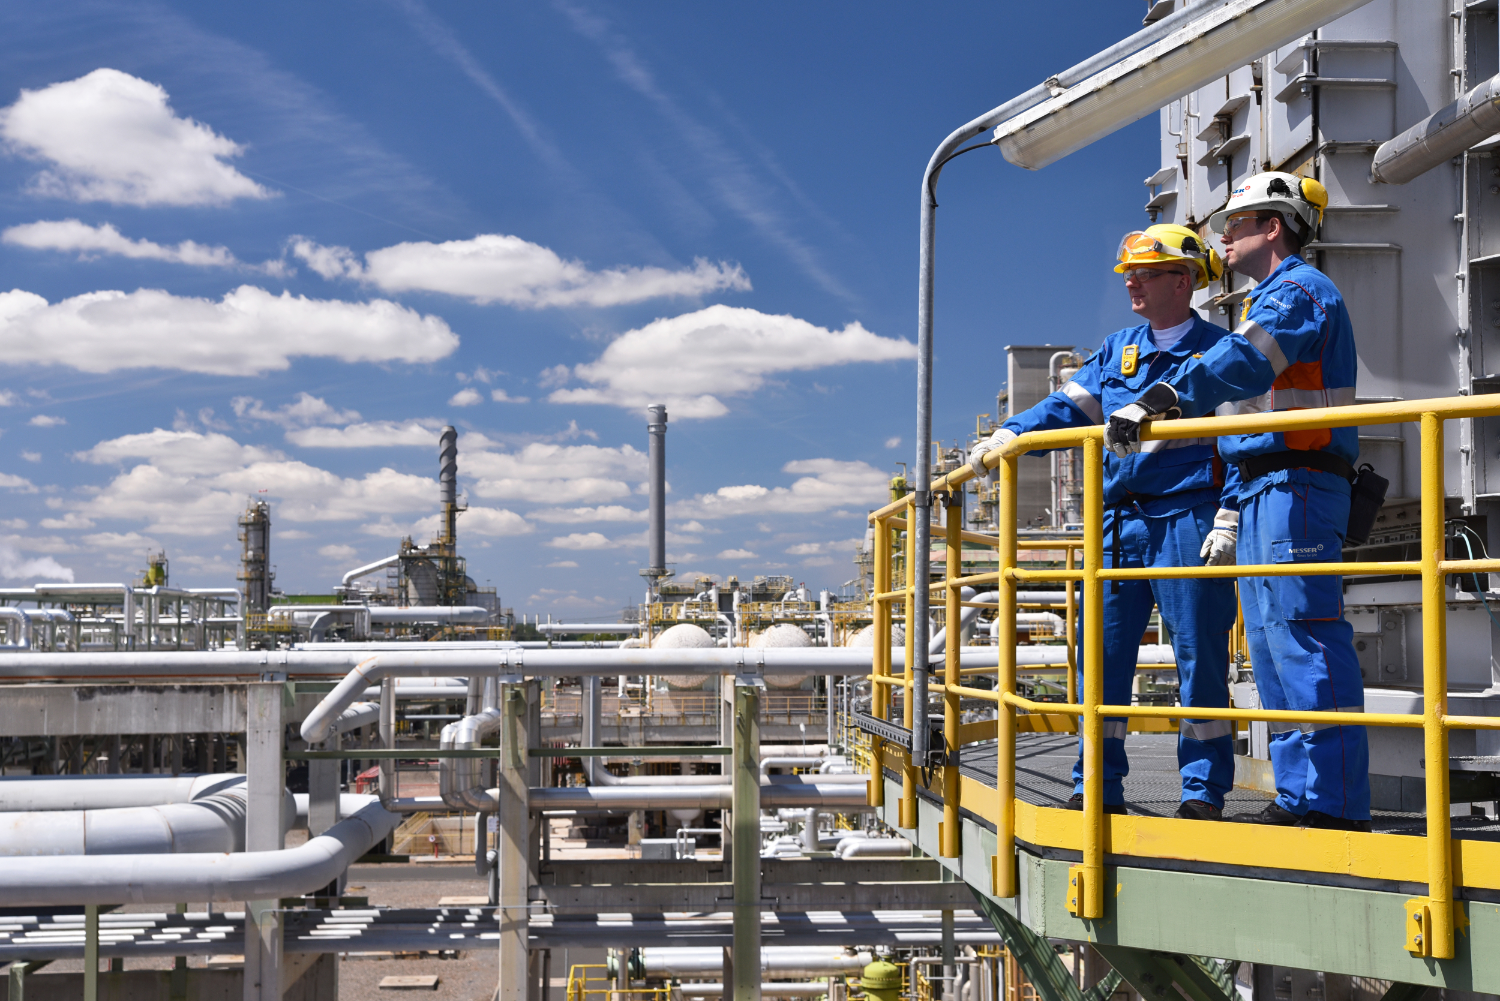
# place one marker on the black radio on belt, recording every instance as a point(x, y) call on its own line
point(1367, 487)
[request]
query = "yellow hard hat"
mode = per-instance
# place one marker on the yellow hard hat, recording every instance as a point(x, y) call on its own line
point(1169, 242)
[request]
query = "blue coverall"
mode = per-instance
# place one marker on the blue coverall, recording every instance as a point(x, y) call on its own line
point(1294, 349)
point(1159, 505)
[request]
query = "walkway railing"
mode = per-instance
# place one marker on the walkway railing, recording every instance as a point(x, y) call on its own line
point(1436, 860)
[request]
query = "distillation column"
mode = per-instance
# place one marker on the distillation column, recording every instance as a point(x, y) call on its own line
point(656, 564)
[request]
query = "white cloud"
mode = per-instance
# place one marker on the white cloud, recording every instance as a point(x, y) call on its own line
point(112, 137)
point(72, 520)
point(191, 483)
point(487, 522)
point(893, 442)
point(494, 267)
point(304, 411)
point(70, 236)
point(14, 566)
point(563, 564)
point(31, 456)
point(570, 599)
point(736, 554)
point(249, 331)
point(501, 396)
point(375, 434)
point(826, 485)
point(8, 399)
point(292, 533)
point(14, 524)
point(465, 398)
point(557, 375)
point(336, 551)
point(547, 473)
point(583, 515)
point(20, 484)
point(46, 421)
point(690, 361)
point(582, 541)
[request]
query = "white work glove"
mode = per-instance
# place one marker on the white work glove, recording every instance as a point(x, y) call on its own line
point(1001, 438)
point(1218, 545)
point(1122, 435)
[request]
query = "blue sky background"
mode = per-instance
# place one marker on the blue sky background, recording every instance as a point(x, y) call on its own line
point(782, 144)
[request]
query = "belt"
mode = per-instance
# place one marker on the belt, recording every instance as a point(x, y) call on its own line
point(1292, 458)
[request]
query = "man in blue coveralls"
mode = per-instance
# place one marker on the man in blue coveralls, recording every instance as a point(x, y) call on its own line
point(1167, 506)
point(1293, 349)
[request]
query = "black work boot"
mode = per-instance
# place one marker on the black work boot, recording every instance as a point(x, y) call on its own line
point(1197, 809)
point(1327, 822)
point(1272, 815)
point(1075, 802)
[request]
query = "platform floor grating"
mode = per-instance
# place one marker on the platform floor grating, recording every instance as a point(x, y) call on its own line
point(1044, 765)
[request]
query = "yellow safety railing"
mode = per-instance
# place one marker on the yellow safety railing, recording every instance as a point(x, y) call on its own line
point(1435, 859)
point(590, 981)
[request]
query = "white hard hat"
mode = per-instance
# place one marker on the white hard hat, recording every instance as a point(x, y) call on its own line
point(1274, 191)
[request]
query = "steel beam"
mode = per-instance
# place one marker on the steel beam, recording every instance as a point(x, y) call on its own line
point(615, 872)
point(265, 785)
point(745, 867)
point(1159, 975)
point(708, 897)
point(512, 839)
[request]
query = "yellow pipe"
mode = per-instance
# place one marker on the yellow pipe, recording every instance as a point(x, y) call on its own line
point(907, 811)
point(1091, 893)
point(1003, 867)
point(953, 530)
point(1435, 694)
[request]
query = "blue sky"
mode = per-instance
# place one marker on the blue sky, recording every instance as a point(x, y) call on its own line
point(274, 247)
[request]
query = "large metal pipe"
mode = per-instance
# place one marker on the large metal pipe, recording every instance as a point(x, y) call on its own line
point(574, 628)
point(460, 780)
point(369, 568)
point(843, 797)
point(1439, 137)
point(454, 614)
point(30, 794)
point(211, 824)
point(165, 879)
point(22, 619)
point(656, 457)
point(775, 961)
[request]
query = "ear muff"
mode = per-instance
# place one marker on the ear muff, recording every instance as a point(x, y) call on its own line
point(1315, 194)
point(1214, 266)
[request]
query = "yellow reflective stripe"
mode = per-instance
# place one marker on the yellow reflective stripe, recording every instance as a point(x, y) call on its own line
point(1265, 344)
point(1084, 400)
point(1309, 399)
point(1206, 730)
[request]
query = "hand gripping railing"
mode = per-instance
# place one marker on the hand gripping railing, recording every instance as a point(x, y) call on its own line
point(1430, 920)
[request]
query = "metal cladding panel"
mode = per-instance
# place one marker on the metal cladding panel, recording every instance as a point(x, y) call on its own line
point(1288, 107)
point(1357, 93)
point(1026, 369)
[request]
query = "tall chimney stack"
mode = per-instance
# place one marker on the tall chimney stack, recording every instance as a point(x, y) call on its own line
point(656, 427)
point(448, 482)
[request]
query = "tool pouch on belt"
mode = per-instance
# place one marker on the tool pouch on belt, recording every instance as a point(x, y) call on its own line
point(1366, 496)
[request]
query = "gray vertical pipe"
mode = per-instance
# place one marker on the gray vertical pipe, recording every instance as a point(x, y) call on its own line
point(592, 706)
point(265, 788)
point(656, 456)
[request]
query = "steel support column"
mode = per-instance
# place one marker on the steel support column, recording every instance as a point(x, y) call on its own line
point(91, 952)
point(265, 789)
point(512, 841)
point(746, 865)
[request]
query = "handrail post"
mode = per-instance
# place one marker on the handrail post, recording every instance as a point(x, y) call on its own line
point(880, 695)
point(1430, 929)
point(907, 813)
point(1086, 897)
point(1071, 632)
point(1003, 866)
point(953, 527)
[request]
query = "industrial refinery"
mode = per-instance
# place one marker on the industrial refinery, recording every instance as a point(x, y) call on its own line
point(742, 787)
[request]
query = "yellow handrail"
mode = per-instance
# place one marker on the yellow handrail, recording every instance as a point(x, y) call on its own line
point(1430, 920)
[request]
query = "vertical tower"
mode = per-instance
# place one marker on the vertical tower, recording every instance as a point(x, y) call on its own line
point(656, 556)
point(255, 563)
point(448, 486)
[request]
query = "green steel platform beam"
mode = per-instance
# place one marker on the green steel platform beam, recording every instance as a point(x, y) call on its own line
point(1156, 974)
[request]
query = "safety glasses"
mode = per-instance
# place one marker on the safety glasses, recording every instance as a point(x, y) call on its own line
point(1143, 275)
point(1235, 222)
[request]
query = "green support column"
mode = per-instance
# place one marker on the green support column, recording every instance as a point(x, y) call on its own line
point(1166, 975)
point(746, 860)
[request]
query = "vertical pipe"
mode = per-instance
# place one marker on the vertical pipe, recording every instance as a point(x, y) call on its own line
point(949, 955)
point(880, 695)
point(1003, 876)
point(953, 523)
point(91, 952)
point(1435, 693)
point(448, 482)
point(1091, 899)
point(656, 457)
point(746, 865)
point(906, 816)
point(512, 842)
point(592, 704)
point(388, 736)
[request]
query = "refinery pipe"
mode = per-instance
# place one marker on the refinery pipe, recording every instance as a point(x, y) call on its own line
point(29, 793)
point(1439, 137)
point(775, 961)
point(840, 797)
point(211, 824)
point(574, 628)
point(58, 881)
